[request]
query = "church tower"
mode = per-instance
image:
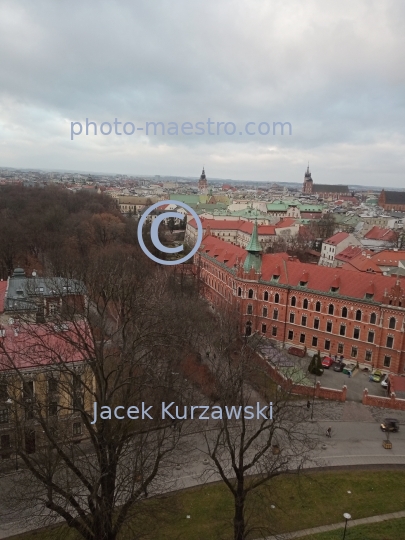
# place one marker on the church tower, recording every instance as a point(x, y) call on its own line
point(203, 184)
point(308, 182)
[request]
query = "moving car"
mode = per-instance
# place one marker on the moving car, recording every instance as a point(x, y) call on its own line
point(340, 366)
point(376, 376)
point(327, 362)
point(390, 424)
point(384, 382)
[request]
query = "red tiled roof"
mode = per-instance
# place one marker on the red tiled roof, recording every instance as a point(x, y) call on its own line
point(222, 251)
point(266, 230)
point(362, 263)
point(285, 222)
point(320, 278)
point(376, 233)
point(40, 345)
point(388, 257)
point(350, 252)
point(218, 224)
point(337, 238)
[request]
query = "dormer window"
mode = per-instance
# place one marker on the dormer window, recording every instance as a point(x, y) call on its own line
point(275, 277)
point(334, 289)
point(369, 296)
point(303, 283)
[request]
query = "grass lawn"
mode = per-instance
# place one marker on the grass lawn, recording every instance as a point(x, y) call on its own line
point(300, 502)
point(386, 530)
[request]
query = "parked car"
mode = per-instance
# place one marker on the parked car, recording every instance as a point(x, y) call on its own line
point(327, 362)
point(340, 366)
point(376, 376)
point(390, 424)
point(384, 382)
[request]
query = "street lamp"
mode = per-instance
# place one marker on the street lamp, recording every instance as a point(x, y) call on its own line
point(347, 517)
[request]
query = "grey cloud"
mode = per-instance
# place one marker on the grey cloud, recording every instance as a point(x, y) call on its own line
point(335, 70)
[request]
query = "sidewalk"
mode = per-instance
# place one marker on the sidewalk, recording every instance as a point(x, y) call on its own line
point(335, 526)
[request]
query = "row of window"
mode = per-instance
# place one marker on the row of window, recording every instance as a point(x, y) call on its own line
point(329, 326)
point(318, 306)
point(327, 346)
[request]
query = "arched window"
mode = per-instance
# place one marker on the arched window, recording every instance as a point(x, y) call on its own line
point(344, 312)
point(293, 301)
point(277, 298)
point(358, 315)
point(318, 306)
point(250, 309)
point(305, 304)
point(373, 318)
point(239, 291)
point(393, 323)
point(250, 294)
point(331, 309)
point(248, 330)
point(275, 314)
point(265, 295)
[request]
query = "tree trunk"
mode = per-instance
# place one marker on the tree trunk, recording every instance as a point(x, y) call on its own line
point(239, 517)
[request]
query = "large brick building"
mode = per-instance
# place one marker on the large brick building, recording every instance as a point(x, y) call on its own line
point(392, 200)
point(336, 311)
point(324, 191)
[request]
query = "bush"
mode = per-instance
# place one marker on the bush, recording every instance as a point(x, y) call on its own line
point(315, 366)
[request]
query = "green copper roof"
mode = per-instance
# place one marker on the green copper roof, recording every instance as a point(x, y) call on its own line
point(253, 260)
point(254, 244)
point(277, 206)
point(254, 250)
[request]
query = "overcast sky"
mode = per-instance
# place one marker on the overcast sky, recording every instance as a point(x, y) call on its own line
point(334, 69)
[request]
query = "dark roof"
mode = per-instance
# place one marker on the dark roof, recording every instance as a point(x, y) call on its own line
point(325, 188)
point(23, 290)
point(394, 197)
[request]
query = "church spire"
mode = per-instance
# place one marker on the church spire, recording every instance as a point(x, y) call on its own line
point(203, 183)
point(254, 249)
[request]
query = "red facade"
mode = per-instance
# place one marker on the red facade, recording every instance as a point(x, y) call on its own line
point(336, 311)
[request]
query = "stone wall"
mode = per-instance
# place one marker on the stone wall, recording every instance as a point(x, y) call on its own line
point(386, 402)
point(300, 389)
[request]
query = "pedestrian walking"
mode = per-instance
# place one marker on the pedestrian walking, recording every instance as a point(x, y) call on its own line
point(329, 432)
point(308, 404)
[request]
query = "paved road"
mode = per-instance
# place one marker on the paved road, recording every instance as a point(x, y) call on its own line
point(356, 440)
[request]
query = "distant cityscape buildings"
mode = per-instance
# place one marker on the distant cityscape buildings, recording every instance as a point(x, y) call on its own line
point(392, 200)
point(203, 183)
point(323, 190)
point(315, 266)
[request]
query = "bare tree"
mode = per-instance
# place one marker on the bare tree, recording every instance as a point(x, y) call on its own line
point(262, 432)
point(119, 348)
